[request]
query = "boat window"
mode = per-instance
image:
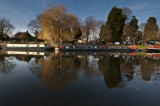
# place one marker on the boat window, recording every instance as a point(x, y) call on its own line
point(77, 47)
point(90, 47)
point(67, 47)
point(70, 46)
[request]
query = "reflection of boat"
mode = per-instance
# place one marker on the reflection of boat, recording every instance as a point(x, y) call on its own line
point(132, 54)
point(25, 53)
point(97, 48)
point(153, 55)
point(33, 47)
point(80, 53)
point(153, 48)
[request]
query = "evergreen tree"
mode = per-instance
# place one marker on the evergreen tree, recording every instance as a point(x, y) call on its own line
point(151, 30)
point(134, 22)
point(116, 21)
point(105, 33)
point(102, 32)
point(152, 20)
point(29, 37)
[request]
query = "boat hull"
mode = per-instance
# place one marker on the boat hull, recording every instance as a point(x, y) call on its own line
point(24, 49)
point(98, 50)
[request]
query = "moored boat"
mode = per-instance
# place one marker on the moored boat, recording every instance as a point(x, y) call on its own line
point(33, 47)
point(153, 48)
point(97, 48)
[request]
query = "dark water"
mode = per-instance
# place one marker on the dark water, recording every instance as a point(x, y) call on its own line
point(80, 80)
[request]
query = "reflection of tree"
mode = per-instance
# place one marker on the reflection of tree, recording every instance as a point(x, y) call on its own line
point(59, 71)
point(76, 64)
point(90, 66)
point(5, 65)
point(127, 67)
point(110, 67)
point(148, 67)
point(35, 67)
point(25, 58)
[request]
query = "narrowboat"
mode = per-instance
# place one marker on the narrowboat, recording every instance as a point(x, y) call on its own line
point(24, 47)
point(25, 53)
point(97, 48)
point(153, 48)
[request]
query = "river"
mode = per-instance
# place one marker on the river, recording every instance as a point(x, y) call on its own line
point(80, 79)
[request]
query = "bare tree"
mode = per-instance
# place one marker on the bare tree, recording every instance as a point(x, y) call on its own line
point(5, 27)
point(89, 25)
point(6, 66)
point(142, 27)
point(127, 12)
point(96, 29)
point(35, 25)
point(129, 32)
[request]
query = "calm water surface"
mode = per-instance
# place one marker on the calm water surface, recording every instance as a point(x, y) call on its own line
point(80, 80)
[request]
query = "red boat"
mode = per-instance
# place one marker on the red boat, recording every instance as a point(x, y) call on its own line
point(153, 47)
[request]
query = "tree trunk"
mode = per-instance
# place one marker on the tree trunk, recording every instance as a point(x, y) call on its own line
point(142, 38)
point(87, 38)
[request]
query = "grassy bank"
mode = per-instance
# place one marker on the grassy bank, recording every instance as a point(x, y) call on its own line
point(140, 54)
point(140, 46)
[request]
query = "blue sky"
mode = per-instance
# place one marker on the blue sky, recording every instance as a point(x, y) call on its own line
point(20, 12)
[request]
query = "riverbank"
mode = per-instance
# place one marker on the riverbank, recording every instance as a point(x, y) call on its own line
point(76, 47)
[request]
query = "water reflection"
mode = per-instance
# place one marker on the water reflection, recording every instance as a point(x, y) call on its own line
point(80, 79)
point(59, 70)
point(6, 64)
point(110, 67)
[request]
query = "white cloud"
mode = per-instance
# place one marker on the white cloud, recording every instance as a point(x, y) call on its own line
point(140, 6)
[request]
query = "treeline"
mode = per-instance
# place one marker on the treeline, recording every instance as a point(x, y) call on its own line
point(118, 28)
point(6, 29)
point(56, 24)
